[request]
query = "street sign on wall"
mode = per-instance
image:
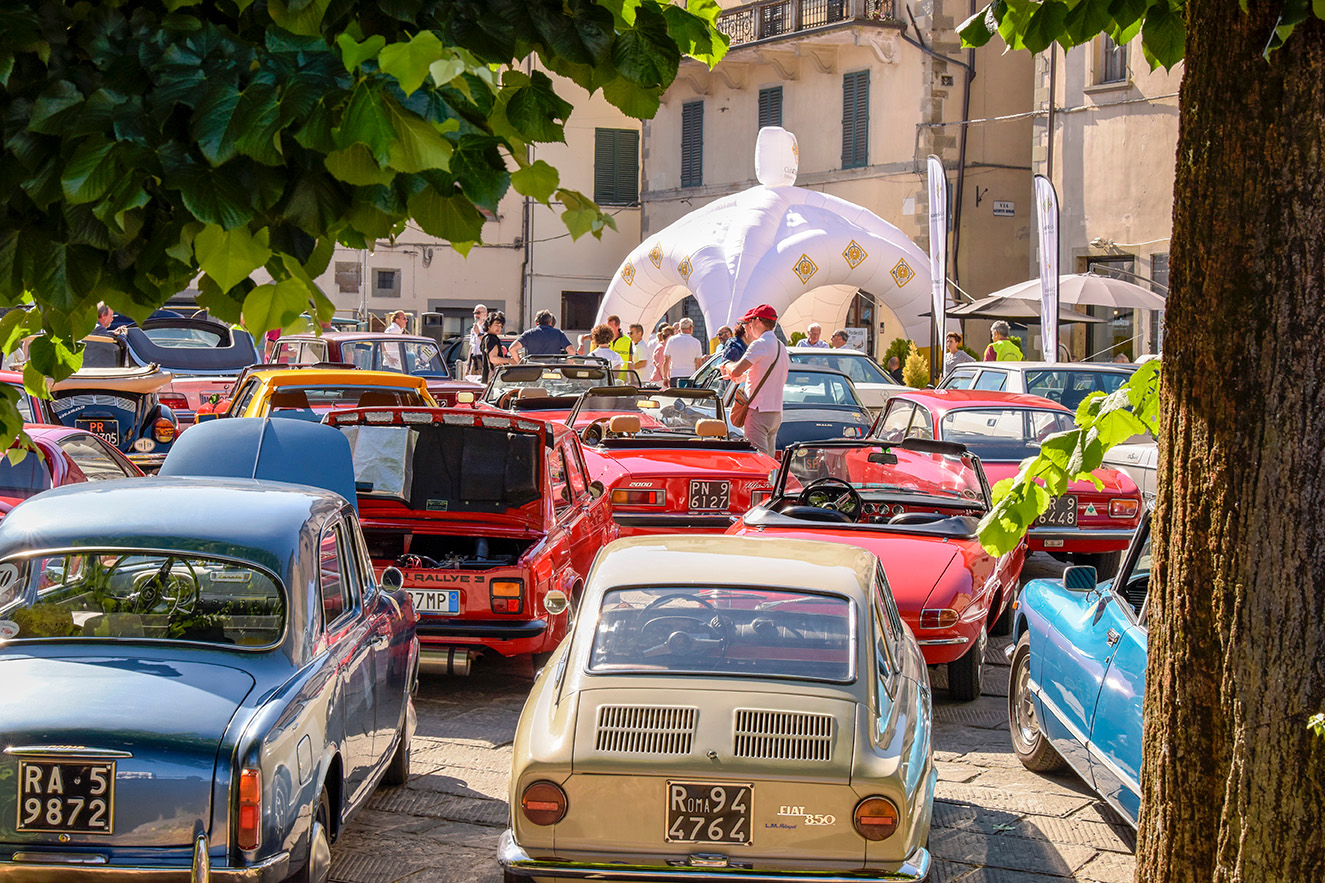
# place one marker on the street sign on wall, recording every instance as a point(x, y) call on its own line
point(1004, 208)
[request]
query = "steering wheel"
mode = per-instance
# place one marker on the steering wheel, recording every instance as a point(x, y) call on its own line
point(593, 433)
point(682, 635)
point(164, 587)
point(835, 495)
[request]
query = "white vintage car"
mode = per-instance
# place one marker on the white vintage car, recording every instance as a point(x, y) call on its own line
point(727, 708)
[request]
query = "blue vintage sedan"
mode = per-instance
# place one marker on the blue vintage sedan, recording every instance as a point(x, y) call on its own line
point(1079, 672)
point(203, 678)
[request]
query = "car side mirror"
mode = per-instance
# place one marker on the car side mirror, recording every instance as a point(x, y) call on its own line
point(393, 579)
point(556, 603)
point(1080, 579)
point(596, 489)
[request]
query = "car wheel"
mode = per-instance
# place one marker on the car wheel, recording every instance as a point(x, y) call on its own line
point(397, 773)
point(965, 676)
point(1003, 625)
point(1106, 564)
point(1028, 740)
point(318, 867)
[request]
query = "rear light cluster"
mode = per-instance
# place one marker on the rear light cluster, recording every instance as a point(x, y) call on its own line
point(875, 818)
point(173, 400)
point(249, 830)
point(1124, 507)
point(163, 430)
point(543, 803)
point(938, 619)
point(401, 416)
point(639, 498)
point(757, 497)
point(507, 595)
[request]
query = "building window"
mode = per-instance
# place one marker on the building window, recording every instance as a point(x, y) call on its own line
point(856, 120)
point(1159, 275)
point(579, 309)
point(386, 283)
point(692, 144)
point(1112, 61)
point(616, 166)
point(770, 106)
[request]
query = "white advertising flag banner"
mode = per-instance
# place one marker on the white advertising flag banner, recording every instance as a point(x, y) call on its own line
point(938, 250)
point(1046, 213)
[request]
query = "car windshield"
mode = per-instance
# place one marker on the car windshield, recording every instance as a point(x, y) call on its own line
point(129, 594)
point(858, 366)
point(880, 470)
point(412, 357)
point(741, 632)
point(1069, 386)
point(671, 412)
point(23, 479)
point(552, 380)
point(820, 389)
point(183, 337)
point(311, 402)
point(1002, 434)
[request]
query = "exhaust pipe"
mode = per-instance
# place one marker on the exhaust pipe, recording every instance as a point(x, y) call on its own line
point(447, 660)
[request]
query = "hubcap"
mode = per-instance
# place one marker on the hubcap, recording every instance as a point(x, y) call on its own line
point(319, 856)
point(1027, 727)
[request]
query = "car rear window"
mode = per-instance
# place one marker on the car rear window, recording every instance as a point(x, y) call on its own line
point(311, 402)
point(127, 594)
point(742, 632)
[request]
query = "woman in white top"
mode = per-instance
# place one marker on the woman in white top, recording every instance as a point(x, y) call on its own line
point(602, 336)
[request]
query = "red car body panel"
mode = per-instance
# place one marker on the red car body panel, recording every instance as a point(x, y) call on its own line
point(548, 543)
point(1096, 530)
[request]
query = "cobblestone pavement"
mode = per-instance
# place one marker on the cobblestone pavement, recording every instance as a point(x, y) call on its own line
point(994, 822)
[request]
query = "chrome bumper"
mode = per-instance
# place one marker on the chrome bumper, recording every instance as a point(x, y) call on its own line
point(517, 863)
point(1080, 533)
point(147, 461)
point(39, 866)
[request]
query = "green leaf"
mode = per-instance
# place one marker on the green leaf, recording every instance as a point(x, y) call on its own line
point(446, 69)
point(367, 121)
point(299, 17)
point(229, 256)
point(215, 196)
point(409, 61)
point(58, 105)
point(623, 11)
point(633, 100)
point(694, 34)
point(977, 30)
point(53, 358)
point(419, 145)
point(90, 172)
point(646, 53)
point(1044, 26)
point(538, 181)
point(355, 165)
point(274, 306)
point(452, 218)
point(353, 54)
point(257, 124)
point(1085, 21)
point(480, 170)
point(534, 108)
point(1164, 35)
point(16, 325)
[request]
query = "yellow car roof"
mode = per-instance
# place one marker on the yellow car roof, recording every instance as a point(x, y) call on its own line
point(338, 376)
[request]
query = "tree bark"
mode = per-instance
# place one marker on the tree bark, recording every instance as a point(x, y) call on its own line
point(1233, 781)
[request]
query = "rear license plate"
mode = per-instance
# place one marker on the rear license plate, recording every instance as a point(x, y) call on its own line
point(435, 601)
point(1062, 512)
point(710, 494)
point(708, 812)
point(66, 796)
point(106, 430)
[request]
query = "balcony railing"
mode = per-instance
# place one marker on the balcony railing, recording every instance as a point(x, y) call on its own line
point(765, 19)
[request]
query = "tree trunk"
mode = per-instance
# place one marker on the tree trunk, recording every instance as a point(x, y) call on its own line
point(1234, 782)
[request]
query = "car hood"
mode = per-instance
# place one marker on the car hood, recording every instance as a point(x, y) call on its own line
point(160, 720)
point(1115, 482)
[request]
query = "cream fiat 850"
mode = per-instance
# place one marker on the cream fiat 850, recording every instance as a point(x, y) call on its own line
point(727, 708)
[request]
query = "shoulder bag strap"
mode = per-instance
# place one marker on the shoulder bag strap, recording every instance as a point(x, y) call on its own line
point(777, 355)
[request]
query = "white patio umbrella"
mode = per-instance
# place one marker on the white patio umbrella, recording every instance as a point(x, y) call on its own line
point(1083, 289)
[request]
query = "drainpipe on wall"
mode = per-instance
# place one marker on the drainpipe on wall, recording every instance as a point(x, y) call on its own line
point(961, 163)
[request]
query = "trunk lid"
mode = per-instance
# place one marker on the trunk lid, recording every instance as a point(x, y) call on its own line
point(1092, 504)
point(159, 721)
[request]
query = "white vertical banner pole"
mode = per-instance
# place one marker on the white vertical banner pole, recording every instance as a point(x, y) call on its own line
point(1046, 211)
point(938, 261)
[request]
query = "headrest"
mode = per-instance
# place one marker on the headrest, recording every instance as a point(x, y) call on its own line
point(624, 424)
point(374, 398)
point(533, 392)
point(710, 428)
point(289, 398)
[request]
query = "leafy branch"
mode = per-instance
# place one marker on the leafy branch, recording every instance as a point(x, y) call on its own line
point(1103, 420)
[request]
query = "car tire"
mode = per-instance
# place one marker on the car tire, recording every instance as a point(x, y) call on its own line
point(1003, 625)
point(966, 675)
point(1033, 748)
point(1106, 564)
point(397, 772)
point(317, 869)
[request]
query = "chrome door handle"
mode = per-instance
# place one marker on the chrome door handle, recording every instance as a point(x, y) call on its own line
point(1111, 637)
point(381, 641)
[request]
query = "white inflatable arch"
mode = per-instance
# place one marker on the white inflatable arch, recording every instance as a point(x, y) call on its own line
point(776, 244)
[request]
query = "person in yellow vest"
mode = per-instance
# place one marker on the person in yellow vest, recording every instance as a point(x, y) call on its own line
point(1001, 349)
point(621, 343)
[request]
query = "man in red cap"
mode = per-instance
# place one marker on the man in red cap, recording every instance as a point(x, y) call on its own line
point(764, 368)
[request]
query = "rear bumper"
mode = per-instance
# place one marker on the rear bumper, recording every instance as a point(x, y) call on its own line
point(518, 638)
point(647, 525)
point(1079, 539)
point(51, 867)
point(147, 462)
point(518, 863)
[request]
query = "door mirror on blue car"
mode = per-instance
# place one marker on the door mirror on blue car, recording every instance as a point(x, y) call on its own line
point(1080, 579)
point(392, 579)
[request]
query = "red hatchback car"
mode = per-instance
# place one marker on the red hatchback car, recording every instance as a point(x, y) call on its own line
point(64, 455)
point(1089, 524)
point(484, 513)
point(915, 505)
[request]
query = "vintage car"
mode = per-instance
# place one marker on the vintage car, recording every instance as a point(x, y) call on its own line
point(485, 513)
point(769, 726)
point(377, 351)
point(312, 392)
point(817, 403)
point(59, 456)
point(1088, 523)
point(120, 406)
point(561, 379)
point(915, 504)
point(1079, 673)
point(872, 386)
point(667, 459)
point(209, 696)
point(1066, 383)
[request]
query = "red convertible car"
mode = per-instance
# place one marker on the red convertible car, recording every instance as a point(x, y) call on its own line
point(915, 505)
point(1088, 523)
point(667, 460)
point(485, 514)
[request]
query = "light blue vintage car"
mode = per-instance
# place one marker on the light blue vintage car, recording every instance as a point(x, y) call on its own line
point(203, 678)
point(1079, 675)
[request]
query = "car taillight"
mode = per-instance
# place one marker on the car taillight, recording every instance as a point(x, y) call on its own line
point(938, 619)
point(639, 498)
point(173, 400)
point(876, 818)
point(249, 830)
point(1123, 508)
point(506, 595)
point(163, 430)
point(543, 803)
point(757, 497)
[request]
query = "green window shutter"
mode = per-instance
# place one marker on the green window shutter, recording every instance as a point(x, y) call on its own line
point(855, 119)
point(604, 166)
point(770, 106)
point(627, 167)
point(692, 144)
point(616, 166)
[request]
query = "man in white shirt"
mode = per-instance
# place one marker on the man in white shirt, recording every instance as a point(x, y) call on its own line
point(840, 339)
point(684, 354)
point(766, 357)
point(816, 336)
